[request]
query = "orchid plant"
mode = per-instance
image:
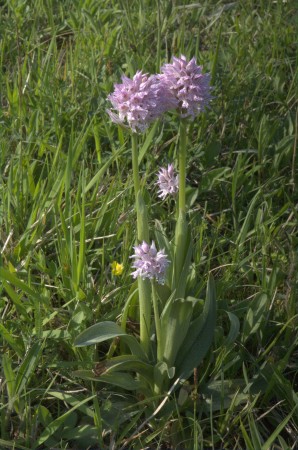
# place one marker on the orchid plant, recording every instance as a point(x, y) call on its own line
point(174, 343)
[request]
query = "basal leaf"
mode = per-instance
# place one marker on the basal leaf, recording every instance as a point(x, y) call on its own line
point(129, 363)
point(199, 336)
point(99, 332)
point(120, 379)
point(55, 424)
point(103, 331)
point(174, 326)
point(234, 329)
point(162, 373)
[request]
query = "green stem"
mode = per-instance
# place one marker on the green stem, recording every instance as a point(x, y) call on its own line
point(142, 235)
point(157, 321)
point(135, 163)
point(181, 232)
point(158, 37)
point(182, 165)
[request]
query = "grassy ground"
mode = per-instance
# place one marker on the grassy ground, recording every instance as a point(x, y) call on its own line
point(66, 214)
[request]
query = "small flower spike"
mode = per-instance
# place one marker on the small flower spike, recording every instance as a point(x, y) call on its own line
point(149, 263)
point(167, 181)
point(188, 84)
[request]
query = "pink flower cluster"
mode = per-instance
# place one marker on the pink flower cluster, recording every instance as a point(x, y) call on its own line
point(181, 85)
point(188, 85)
point(149, 263)
point(140, 101)
point(168, 181)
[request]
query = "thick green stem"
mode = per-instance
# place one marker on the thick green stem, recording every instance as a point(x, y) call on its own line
point(181, 248)
point(142, 235)
point(182, 165)
point(157, 321)
point(135, 164)
point(181, 232)
point(158, 36)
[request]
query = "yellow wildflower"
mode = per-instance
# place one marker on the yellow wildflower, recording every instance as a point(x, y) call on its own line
point(117, 268)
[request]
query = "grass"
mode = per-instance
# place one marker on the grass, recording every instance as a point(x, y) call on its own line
point(66, 214)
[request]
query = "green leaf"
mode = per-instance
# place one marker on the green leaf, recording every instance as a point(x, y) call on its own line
point(255, 315)
point(13, 279)
point(14, 343)
point(211, 152)
point(183, 248)
point(28, 366)
point(120, 379)
point(162, 373)
point(81, 258)
point(129, 362)
point(16, 298)
point(81, 434)
point(215, 58)
point(248, 442)
point(255, 434)
point(267, 445)
point(44, 415)
point(10, 379)
point(221, 394)
point(99, 175)
point(72, 401)
point(55, 424)
point(99, 332)
point(163, 290)
point(161, 237)
point(234, 329)
point(147, 143)
point(175, 321)
point(143, 285)
point(199, 336)
point(12, 444)
point(210, 178)
point(244, 229)
point(103, 331)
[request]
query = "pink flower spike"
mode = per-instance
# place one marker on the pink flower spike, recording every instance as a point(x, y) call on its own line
point(168, 182)
point(138, 102)
point(188, 85)
point(149, 263)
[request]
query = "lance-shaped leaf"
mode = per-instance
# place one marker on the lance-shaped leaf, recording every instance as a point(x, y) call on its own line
point(162, 239)
point(103, 331)
point(162, 374)
point(256, 314)
point(28, 366)
point(120, 379)
point(164, 290)
point(181, 278)
point(175, 321)
point(181, 254)
point(126, 363)
point(219, 394)
point(199, 336)
point(234, 329)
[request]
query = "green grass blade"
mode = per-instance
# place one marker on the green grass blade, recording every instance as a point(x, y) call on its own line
point(28, 366)
point(55, 424)
point(10, 379)
point(267, 445)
